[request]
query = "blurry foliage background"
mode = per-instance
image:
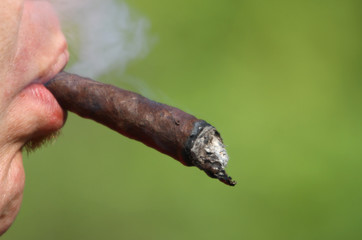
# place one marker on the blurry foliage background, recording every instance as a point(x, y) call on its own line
point(281, 80)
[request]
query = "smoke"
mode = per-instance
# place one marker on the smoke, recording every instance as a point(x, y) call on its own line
point(103, 35)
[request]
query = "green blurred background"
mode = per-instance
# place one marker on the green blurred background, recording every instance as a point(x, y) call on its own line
point(281, 80)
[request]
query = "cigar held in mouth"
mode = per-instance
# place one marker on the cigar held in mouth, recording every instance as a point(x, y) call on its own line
point(191, 141)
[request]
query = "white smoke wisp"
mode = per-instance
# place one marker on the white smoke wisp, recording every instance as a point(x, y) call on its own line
point(103, 35)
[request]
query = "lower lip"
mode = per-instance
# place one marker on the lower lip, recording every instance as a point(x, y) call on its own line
point(45, 106)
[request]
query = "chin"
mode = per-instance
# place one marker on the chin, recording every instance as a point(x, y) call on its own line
point(32, 118)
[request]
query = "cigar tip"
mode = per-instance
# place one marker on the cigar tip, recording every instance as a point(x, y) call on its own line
point(223, 177)
point(207, 152)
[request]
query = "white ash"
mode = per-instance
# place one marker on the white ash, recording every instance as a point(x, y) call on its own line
point(208, 151)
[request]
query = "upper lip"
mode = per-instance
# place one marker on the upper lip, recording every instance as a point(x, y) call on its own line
point(56, 67)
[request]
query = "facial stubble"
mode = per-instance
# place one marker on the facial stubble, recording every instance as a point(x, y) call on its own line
point(36, 143)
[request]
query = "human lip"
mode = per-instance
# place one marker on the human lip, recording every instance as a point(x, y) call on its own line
point(56, 116)
point(42, 111)
point(57, 66)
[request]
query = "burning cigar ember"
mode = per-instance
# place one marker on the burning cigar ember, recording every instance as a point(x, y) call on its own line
point(189, 140)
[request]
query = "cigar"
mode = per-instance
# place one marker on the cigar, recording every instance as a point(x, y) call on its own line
point(189, 140)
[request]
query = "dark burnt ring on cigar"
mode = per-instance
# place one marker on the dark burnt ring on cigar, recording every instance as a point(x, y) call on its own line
point(186, 154)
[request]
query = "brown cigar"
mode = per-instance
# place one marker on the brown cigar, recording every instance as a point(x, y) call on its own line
point(189, 140)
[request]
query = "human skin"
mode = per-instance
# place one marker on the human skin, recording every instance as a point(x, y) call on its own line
point(32, 50)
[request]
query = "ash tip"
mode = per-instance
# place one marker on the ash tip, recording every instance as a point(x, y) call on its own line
point(208, 153)
point(216, 170)
point(223, 177)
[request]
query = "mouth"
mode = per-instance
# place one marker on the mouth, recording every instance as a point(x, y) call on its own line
point(37, 109)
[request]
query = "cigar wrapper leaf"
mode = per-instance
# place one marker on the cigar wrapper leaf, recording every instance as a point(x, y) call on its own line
point(191, 141)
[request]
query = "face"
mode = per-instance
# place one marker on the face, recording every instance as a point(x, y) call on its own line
point(32, 50)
